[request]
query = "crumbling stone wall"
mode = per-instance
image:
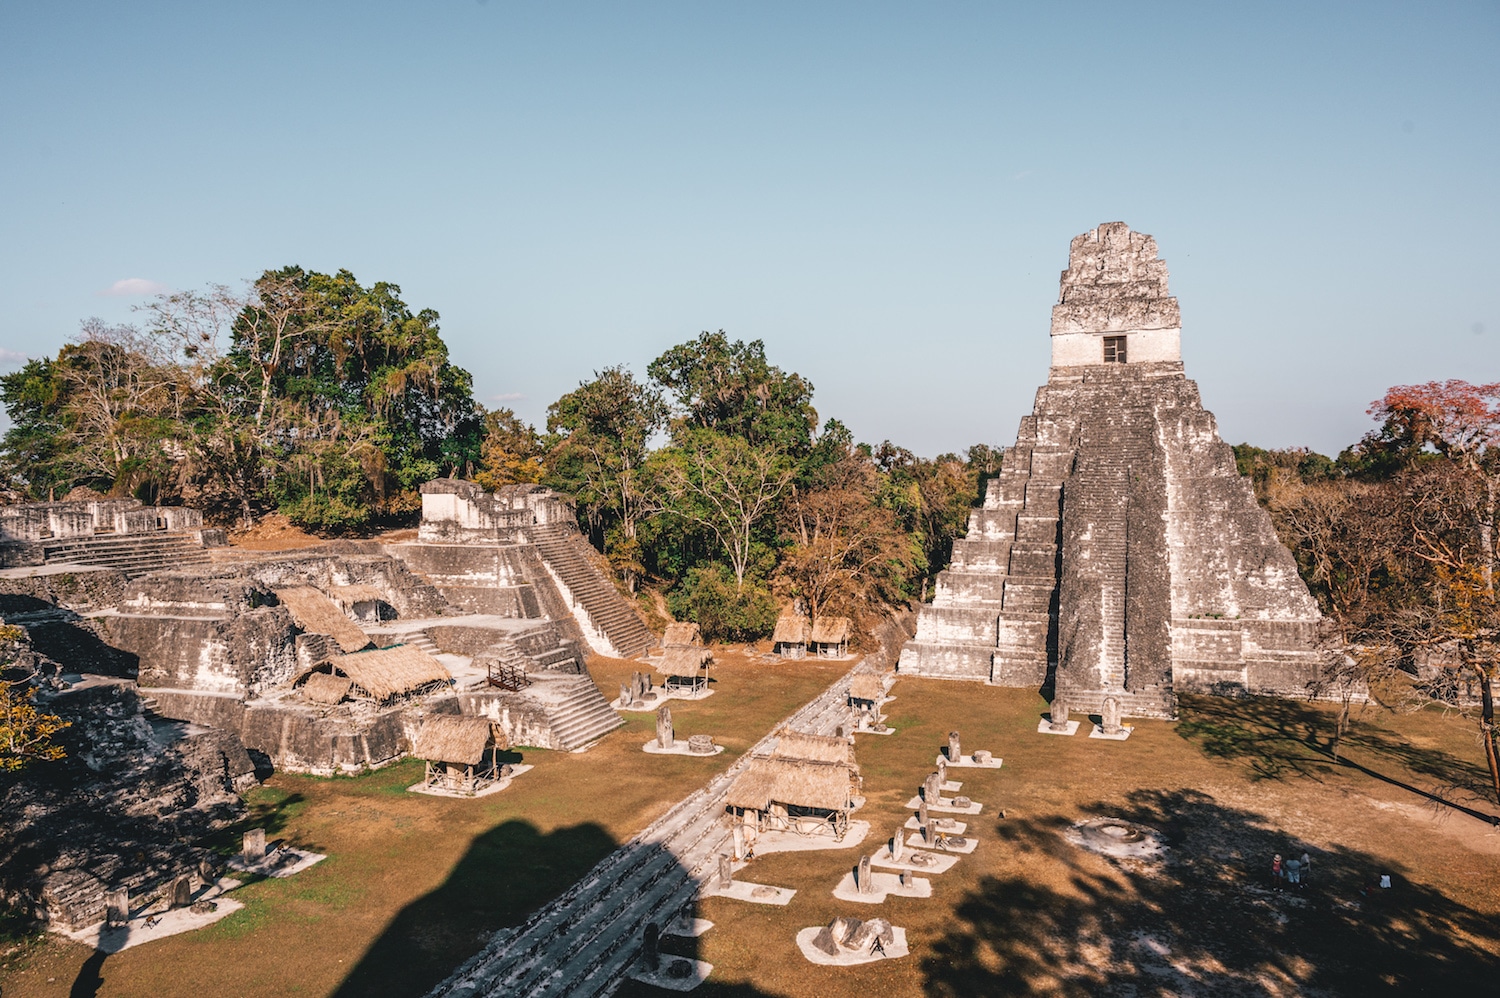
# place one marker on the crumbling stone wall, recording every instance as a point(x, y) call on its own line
point(125, 808)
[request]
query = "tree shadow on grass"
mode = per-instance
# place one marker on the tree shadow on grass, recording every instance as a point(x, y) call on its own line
point(507, 872)
point(1206, 920)
point(1280, 738)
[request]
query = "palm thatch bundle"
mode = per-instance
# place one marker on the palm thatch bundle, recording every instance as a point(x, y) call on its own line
point(455, 738)
point(390, 672)
point(682, 633)
point(317, 614)
point(322, 687)
point(866, 687)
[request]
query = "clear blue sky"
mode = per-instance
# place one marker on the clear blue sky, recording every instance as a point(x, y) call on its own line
point(883, 193)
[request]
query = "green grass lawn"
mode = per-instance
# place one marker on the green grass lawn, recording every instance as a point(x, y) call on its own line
point(413, 884)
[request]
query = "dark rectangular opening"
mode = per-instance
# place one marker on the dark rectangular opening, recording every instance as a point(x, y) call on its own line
point(1114, 349)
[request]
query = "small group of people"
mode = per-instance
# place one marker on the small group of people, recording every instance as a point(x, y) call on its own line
point(1293, 870)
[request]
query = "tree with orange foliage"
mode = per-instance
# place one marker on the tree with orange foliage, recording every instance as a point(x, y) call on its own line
point(1447, 436)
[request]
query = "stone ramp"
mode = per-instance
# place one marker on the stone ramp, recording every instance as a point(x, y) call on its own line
point(568, 556)
point(583, 943)
point(130, 554)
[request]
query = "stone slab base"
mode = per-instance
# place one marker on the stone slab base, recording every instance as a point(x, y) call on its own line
point(945, 825)
point(114, 938)
point(872, 731)
point(1098, 732)
point(916, 841)
point(944, 805)
point(646, 703)
point(941, 862)
point(689, 973)
point(493, 788)
point(739, 890)
point(769, 842)
point(968, 760)
point(884, 884)
point(896, 950)
point(1044, 727)
point(283, 862)
point(687, 928)
point(679, 747)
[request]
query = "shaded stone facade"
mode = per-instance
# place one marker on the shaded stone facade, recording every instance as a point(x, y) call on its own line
point(1120, 553)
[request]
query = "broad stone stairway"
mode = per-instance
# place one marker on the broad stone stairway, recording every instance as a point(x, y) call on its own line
point(562, 548)
point(583, 943)
point(132, 554)
point(576, 711)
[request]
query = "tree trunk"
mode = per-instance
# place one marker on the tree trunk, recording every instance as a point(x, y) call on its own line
point(1487, 727)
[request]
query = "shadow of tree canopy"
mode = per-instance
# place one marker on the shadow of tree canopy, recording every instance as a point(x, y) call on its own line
point(506, 873)
point(1280, 738)
point(1207, 920)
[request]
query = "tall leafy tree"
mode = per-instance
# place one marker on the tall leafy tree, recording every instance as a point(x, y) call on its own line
point(601, 431)
point(731, 388)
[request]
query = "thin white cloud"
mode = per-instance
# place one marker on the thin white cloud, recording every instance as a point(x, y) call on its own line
point(8, 357)
point(508, 397)
point(132, 287)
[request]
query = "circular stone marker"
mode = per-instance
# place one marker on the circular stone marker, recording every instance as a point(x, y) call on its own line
point(1117, 837)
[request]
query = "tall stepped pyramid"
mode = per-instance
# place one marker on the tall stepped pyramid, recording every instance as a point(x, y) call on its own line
point(1119, 553)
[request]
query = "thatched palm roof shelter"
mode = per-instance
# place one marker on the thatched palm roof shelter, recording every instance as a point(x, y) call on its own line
point(830, 636)
point(317, 614)
point(682, 633)
point(866, 687)
point(783, 792)
point(455, 748)
point(789, 640)
point(686, 662)
point(456, 738)
point(390, 672)
point(812, 748)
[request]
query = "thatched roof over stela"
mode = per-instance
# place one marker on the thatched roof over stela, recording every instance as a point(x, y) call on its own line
point(685, 661)
point(791, 629)
point(812, 748)
point(831, 631)
point(792, 782)
point(454, 738)
point(866, 687)
point(682, 633)
point(321, 687)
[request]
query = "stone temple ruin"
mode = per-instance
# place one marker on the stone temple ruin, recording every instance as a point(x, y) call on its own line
point(1119, 554)
point(325, 660)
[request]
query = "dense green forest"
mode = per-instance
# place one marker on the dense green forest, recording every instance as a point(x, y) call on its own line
point(710, 480)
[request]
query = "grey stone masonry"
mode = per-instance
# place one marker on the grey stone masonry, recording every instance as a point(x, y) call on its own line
point(1119, 553)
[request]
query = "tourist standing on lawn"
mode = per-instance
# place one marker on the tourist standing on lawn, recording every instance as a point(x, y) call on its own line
point(1276, 872)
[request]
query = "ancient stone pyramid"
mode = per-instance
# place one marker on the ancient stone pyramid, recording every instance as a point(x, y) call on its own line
point(1119, 554)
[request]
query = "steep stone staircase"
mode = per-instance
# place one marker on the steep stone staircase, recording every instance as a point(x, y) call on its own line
point(576, 711)
point(561, 548)
point(132, 554)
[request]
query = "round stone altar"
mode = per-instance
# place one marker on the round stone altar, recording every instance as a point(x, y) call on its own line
point(1117, 837)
